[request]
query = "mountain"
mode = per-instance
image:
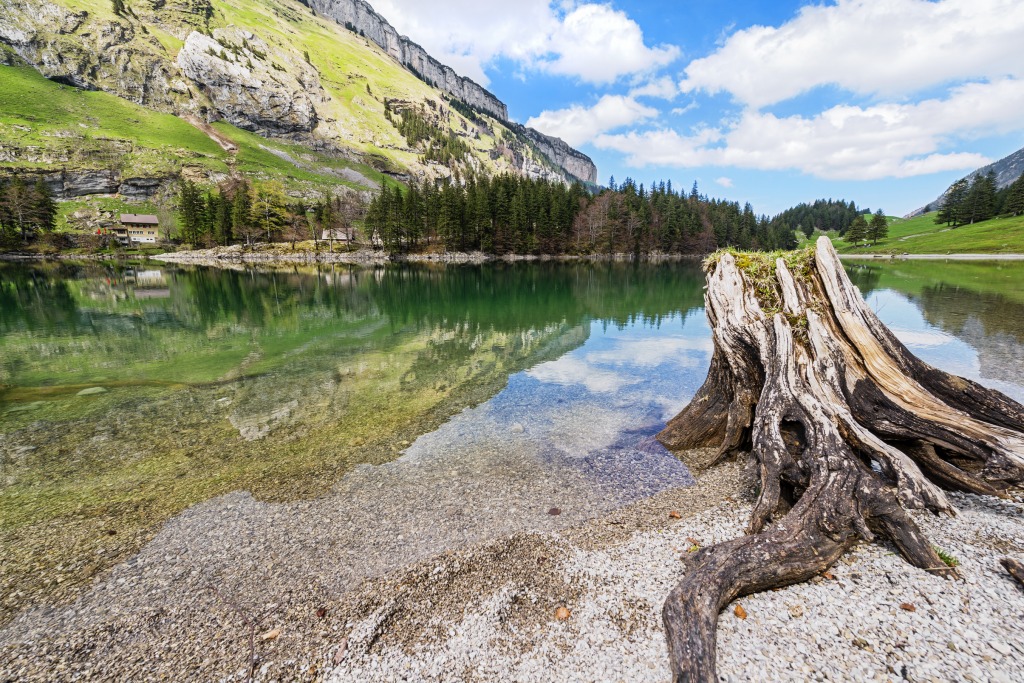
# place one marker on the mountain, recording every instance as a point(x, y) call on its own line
point(312, 92)
point(1007, 170)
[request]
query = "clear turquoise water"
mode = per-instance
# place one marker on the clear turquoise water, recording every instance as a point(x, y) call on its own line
point(130, 394)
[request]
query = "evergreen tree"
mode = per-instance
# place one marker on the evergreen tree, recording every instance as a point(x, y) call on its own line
point(222, 223)
point(979, 204)
point(858, 231)
point(1015, 198)
point(44, 209)
point(953, 204)
point(241, 213)
point(191, 208)
point(878, 229)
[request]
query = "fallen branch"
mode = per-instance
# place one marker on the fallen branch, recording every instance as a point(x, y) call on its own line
point(848, 429)
point(1015, 568)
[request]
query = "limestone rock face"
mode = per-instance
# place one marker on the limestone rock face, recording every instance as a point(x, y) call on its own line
point(253, 80)
point(364, 19)
point(575, 163)
point(250, 84)
point(177, 17)
point(69, 47)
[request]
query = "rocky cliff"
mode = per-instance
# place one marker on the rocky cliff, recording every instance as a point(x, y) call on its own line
point(253, 86)
point(361, 17)
point(319, 73)
point(1007, 170)
point(115, 55)
point(577, 164)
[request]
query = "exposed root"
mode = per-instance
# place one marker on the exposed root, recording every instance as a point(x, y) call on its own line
point(849, 431)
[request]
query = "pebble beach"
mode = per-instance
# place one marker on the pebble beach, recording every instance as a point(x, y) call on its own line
point(563, 602)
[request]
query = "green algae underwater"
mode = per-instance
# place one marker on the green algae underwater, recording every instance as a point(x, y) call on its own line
point(130, 392)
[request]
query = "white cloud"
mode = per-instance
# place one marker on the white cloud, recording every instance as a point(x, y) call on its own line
point(685, 352)
point(724, 182)
point(589, 41)
point(599, 44)
point(922, 338)
point(844, 142)
point(578, 125)
point(569, 370)
point(868, 47)
point(662, 88)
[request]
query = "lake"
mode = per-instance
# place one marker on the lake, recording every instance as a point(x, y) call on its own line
point(419, 408)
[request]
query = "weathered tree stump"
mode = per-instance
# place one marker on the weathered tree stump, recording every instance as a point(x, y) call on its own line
point(848, 429)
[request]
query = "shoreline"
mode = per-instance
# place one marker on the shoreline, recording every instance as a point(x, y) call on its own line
point(232, 255)
point(935, 257)
point(487, 611)
point(235, 257)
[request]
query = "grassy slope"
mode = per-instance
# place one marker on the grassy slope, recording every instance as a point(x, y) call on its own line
point(40, 113)
point(356, 73)
point(921, 235)
point(1001, 278)
point(70, 123)
point(75, 128)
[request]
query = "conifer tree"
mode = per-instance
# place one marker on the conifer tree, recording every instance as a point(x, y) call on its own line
point(952, 211)
point(1015, 198)
point(878, 229)
point(241, 213)
point(858, 230)
point(222, 227)
point(191, 208)
point(44, 209)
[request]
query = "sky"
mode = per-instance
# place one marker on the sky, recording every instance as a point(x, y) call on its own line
point(883, 102)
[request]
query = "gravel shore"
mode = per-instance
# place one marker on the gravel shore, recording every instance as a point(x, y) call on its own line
point(875, 618)
point(211, 597)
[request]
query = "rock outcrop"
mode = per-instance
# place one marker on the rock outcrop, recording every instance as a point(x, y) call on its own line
point(1007, 170)
point(577, 164)
point(67, 46)
point(251, 85)
point(176, 56)
point(72, 184)
point(361, 17)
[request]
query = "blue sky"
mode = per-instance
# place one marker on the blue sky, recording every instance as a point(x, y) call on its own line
point(884, 102)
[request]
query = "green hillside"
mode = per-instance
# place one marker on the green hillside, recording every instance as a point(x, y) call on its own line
point(55, 126)
point(348, 81)
point(921, 235)
point(913, 277)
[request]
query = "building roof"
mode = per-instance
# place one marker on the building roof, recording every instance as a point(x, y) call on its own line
point(139, 219)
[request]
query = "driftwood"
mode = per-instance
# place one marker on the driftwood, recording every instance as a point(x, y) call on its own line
point(1015, 568)
point(848, 429)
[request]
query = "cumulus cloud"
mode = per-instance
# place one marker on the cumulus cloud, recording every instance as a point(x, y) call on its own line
point(867, 47)
point(663, 88)
point(844, 142)
point(578, 125)
point(569, 370)
point(599, 44)
point(589, 41)
point(724, 182)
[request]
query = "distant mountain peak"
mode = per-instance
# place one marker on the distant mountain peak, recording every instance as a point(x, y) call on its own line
point(360, 17)
point(1007, 170)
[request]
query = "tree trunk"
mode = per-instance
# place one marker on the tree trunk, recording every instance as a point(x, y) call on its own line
point(848, 429)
